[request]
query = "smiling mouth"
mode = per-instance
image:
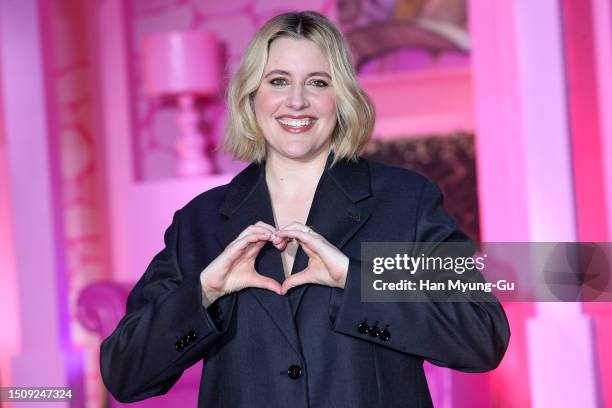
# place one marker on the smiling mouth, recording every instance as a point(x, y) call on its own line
point(296, 123)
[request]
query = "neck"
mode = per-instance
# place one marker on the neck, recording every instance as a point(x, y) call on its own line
point(293, 178)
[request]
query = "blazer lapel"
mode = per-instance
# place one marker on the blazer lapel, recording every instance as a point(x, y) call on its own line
point(335, 212)
point(247, 202)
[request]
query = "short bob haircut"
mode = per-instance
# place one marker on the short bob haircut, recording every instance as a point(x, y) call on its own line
point(354, 110)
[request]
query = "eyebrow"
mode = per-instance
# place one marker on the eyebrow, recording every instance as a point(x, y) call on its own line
point(281, 72)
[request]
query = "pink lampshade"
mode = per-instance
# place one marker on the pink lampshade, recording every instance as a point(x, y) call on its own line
point(182, 62)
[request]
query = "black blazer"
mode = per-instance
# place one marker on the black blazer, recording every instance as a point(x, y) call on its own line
point(304, 349)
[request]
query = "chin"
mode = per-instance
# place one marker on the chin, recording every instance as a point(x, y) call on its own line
point(295, 150)
point(298, 148)
point(297, 155)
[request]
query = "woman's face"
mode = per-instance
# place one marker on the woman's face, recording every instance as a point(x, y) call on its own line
point(295, 103)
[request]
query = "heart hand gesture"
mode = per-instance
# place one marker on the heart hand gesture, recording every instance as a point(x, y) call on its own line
point(234, 269)
point(326, 264)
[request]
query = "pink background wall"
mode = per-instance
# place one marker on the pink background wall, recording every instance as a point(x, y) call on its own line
point(533, 89)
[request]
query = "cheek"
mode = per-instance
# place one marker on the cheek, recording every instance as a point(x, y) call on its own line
point(327, 106)
point(259, 105)
point(266, 104)
point(328, 109)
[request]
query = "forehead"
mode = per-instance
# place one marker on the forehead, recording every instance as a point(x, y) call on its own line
point(293, 55)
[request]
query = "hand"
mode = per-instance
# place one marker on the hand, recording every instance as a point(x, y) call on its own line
point(326, 264)
point(234, 269)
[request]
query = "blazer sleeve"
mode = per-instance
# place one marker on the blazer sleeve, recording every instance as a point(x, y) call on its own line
point(467, 336)
point(165, 329)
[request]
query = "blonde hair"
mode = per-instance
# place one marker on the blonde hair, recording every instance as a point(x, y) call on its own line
point(354, 110)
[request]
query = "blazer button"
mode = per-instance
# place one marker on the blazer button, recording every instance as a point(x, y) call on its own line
point(374, 331)
point(185, 340)
point(363, 328)
point(385, 335)
point(192, 335)
point(179, 346)
point(294, 372)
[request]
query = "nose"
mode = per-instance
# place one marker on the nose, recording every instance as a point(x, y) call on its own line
point(297, 98)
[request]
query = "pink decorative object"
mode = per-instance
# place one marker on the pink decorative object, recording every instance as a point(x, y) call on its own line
point(185, 65)
point(100, 306)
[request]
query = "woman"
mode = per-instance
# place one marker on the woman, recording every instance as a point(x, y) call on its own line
point(260, 278)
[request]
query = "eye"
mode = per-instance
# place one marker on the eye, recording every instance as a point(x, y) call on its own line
point(278, 82)
point(319, 83)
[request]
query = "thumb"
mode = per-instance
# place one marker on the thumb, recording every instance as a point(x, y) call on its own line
point(297, 279)
point(263, 282)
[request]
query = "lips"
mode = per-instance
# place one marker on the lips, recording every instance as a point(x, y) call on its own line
point(296, 124)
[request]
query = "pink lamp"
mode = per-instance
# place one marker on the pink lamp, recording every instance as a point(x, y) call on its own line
point(185, 65)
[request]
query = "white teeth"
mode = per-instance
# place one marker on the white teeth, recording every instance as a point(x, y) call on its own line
point(294, 123)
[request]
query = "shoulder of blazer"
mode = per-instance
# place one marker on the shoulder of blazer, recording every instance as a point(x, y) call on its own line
point(395, 177)
point(364, 177)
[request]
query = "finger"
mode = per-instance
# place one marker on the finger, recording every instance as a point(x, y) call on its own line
point(265, 224)
point(298, 226)
point(251, 238)
point(309, 238)
point(312, 244)
point(278, 242)
point(263, 227)
point(254, 248)
point(289, 237)
point(281, 243)
point(297, 279)
point(264, 282)
point(309, 252)
point(237, 248)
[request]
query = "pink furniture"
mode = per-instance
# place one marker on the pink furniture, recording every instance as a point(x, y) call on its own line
point(99, 308)
point(185, 65)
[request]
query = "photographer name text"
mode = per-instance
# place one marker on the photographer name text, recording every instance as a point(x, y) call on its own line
point(449, 285)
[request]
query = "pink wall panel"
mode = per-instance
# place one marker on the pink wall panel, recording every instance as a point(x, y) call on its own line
point(589, 154)
point(9, 311)
point(584, 115)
